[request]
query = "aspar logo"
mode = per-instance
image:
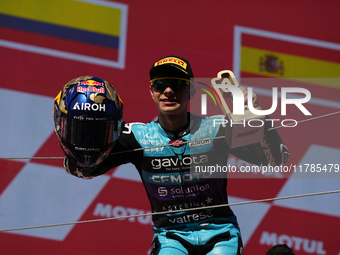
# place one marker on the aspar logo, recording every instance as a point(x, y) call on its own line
point(89, 107)
point(296, 243)
point(171, 60)
point(175, 162)
point(108, 211)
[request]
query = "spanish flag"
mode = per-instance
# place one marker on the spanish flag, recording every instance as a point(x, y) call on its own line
point(273, 57)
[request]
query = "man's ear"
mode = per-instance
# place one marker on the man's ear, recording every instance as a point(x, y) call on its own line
point(151, 91)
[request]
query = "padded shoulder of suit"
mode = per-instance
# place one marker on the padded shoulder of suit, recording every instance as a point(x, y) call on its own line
point(137, 126)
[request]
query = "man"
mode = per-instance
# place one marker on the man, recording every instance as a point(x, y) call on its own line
point(167, 170)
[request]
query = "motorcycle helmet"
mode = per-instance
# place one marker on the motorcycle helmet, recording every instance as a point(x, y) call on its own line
point(87, 120)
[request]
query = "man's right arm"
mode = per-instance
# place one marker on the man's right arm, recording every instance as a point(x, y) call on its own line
point(123, 152)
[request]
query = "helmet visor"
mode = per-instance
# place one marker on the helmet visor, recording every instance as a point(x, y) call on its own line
point(87, 134)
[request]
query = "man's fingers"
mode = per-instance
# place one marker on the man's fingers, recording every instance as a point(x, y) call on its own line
point(245, 93)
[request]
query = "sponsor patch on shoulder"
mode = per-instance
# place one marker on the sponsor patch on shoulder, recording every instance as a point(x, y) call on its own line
point(199, 143)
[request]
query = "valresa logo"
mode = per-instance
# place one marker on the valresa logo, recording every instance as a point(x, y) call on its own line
point(191, 217)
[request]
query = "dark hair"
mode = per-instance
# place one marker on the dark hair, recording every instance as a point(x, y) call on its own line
point(280, 249)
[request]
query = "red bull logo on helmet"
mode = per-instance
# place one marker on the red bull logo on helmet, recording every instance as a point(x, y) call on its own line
point(90, 86)
point(90, 89)
point(91, 83)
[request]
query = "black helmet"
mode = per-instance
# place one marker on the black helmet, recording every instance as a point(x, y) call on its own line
point(87, 120)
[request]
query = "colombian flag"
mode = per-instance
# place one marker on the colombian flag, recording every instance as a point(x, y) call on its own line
point(92, 31)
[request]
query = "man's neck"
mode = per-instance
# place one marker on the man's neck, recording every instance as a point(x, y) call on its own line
point(173, 123)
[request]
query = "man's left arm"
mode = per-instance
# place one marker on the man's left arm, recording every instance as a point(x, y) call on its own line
point(271, 151)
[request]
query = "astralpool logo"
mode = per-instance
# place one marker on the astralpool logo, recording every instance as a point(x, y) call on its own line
point(239, 106)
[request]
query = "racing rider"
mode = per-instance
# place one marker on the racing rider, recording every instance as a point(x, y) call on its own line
point(166, 170)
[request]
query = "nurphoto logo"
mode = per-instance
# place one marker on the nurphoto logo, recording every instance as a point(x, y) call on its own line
point(239, 106)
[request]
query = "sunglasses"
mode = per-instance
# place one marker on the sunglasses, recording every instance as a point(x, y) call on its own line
point(174, 83)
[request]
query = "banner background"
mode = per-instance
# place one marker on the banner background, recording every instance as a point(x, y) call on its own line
point(45, 46)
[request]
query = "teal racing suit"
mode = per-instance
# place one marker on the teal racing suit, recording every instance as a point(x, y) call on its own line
point(166, 163)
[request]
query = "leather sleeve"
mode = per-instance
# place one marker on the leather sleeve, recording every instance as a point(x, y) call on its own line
point(271, 151)
point(123, 152)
